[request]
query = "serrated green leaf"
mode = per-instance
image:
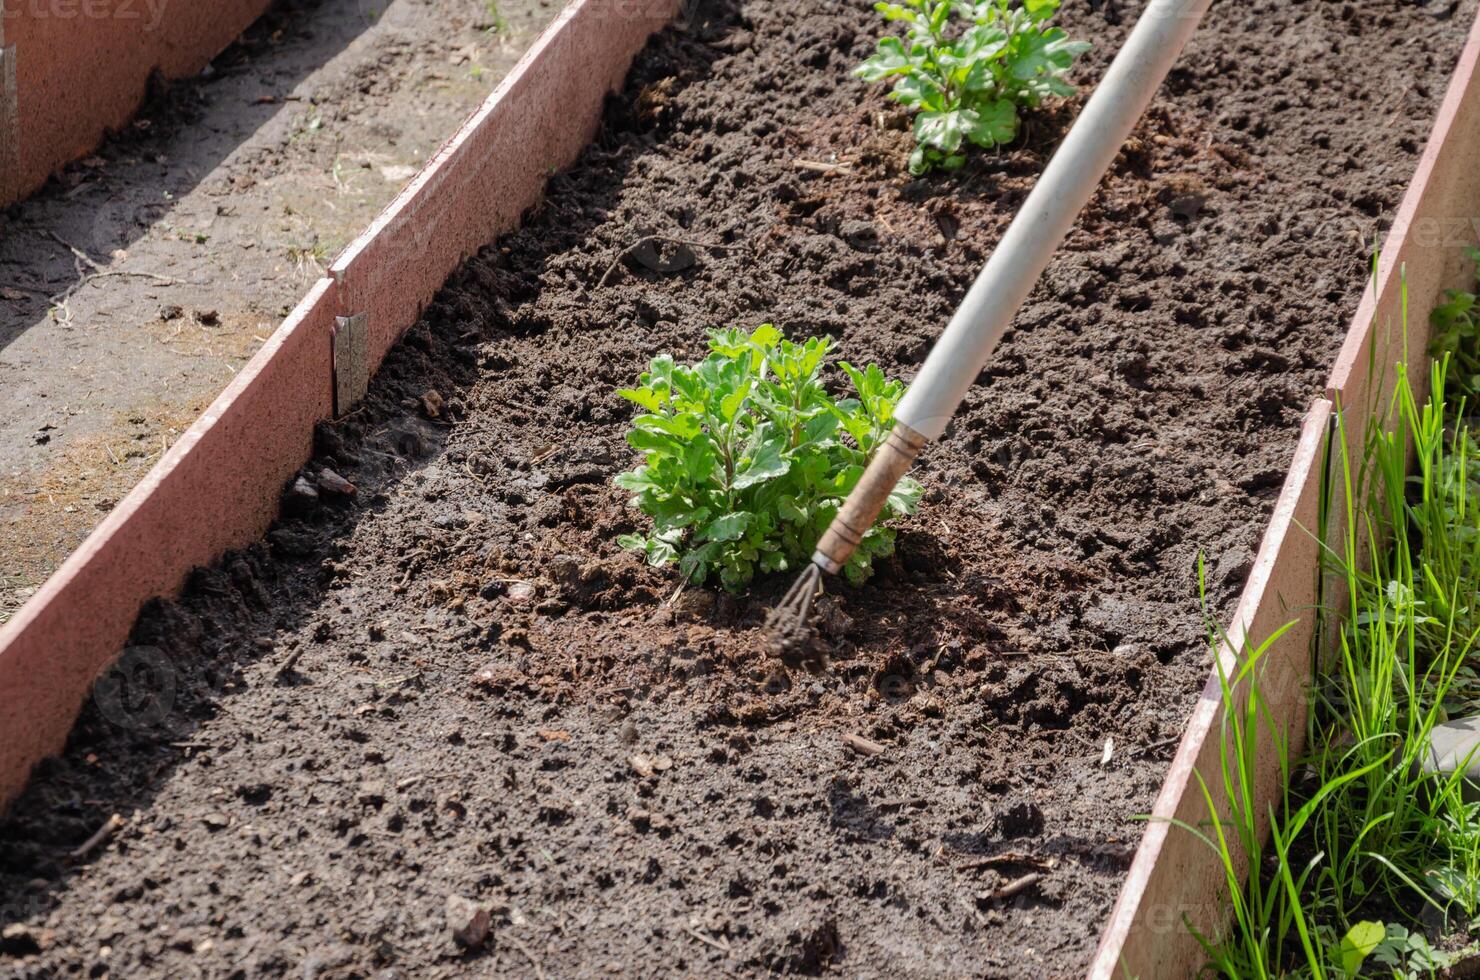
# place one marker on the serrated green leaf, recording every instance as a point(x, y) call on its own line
point(1040, 10)
point(645, 397)
point(919, 92)
point(943, 130)
point(967, 85)
point(637, 480)
point(766, 336)
point(889, 60)
point(995, 122)
point(730, 405)
point(767, 464)
point(1044, 53)
point(905, 497)
point(684, 426)
point(791, 510)
point(727, 528)
point(896, 11)
point(653, 442)
point(699, 460)
point(752, 435)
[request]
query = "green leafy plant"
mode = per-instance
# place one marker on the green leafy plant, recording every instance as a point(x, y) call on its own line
point(967, 84)
point(747, 457)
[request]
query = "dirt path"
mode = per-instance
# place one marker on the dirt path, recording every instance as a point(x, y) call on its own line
point(236, 189)
point(456, 687)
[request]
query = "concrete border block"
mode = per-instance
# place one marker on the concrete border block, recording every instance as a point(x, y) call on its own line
point(10, 126)
point(83, 69)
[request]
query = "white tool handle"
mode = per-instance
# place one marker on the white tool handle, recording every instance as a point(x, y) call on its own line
point(1048, 214)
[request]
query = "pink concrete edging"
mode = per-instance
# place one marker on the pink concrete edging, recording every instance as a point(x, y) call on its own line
point(1176, 878)
point(218, 486)
point(215, 488)
point(81, 68)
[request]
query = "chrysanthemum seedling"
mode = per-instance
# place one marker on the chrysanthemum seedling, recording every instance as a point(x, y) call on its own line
point(747, 457)
point(967, 86)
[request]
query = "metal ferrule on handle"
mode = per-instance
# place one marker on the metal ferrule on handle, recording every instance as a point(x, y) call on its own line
point(1049, 212)
point(891, 461)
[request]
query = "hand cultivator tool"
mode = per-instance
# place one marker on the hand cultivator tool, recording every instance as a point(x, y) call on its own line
point(1010, 274)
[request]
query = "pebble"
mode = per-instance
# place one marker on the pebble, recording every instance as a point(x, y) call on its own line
point(334, 484)
point(467, 921)
point(301, 497)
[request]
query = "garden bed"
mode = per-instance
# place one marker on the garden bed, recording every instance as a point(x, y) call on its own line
point(456, 684)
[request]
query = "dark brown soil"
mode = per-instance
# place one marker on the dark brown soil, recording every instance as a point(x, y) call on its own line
point(456, 683)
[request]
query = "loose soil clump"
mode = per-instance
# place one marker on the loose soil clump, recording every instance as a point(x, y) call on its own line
point(438, 724)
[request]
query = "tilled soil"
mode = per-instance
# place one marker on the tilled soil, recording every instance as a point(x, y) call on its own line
point(454, 684)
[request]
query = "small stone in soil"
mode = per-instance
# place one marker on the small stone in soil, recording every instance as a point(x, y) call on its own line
point(432, 403)
point(467, 921)
point(301, 497)
point(648, 766)
point(335, 485)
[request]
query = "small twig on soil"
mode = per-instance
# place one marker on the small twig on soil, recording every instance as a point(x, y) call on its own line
point(166, 280)
point(78, 253)
point(1147, 749)
point(646, 239)
point(723, 947)
point(539, 971)
point(60, 299)
point(998, 860)
point(286, 667)
point(1016, 887)
point(861, 745)
point(818, 167)
point(111, 827)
